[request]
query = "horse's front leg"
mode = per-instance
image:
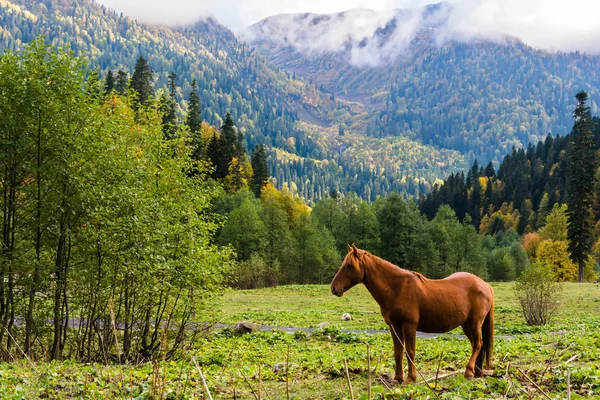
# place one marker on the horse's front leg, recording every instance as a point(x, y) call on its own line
point(409, 333)
point(398, 340)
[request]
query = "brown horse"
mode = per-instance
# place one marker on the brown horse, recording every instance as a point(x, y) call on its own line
point(410, 302)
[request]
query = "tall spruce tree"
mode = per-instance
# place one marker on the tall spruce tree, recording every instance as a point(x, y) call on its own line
point(142, 81)
point(109, 82)
point(168, 106)
point(121, 83)
point(260, 169)
point(194, 121)
point(580, 184)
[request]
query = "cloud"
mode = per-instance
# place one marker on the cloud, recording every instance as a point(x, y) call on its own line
point(544, 24)
point(365, 37)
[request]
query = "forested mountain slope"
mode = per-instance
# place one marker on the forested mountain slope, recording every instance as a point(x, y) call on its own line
point(295, 119)
point(421, 81)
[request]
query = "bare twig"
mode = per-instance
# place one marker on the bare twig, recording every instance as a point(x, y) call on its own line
point(437, 373)
point(368, 372)
point(572, 358)
point(568, 384)
point(534, 384)
point(259, 383)
point(385, 384)
point(413, 363)
point(287, 375)
point(435, 378)
point(202, 377)
point(249, 384)
point(348, 378)
point(551, 358)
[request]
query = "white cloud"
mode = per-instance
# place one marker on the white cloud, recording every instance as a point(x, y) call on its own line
point(547, 24)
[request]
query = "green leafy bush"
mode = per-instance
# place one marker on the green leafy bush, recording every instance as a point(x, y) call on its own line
point(538, 293)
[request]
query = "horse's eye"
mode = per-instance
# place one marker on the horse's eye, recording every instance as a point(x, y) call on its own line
point(348, 265)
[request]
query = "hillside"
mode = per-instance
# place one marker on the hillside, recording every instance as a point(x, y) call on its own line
point(269, 106)
point(421, 80)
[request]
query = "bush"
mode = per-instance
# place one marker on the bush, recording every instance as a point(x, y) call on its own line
point(538, 293)
point(256, 273)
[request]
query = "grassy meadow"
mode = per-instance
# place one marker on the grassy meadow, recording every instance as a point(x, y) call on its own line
point(529, 362)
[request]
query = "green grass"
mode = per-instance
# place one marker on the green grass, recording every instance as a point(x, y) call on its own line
point(570, 344)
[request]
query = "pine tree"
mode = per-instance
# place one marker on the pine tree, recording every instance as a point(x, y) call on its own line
point(194, 121)
point(580, 184)
point(260, 168)
point(141, 81)
point(109, 82)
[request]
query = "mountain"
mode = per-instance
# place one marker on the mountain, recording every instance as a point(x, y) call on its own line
point(306, 127)
point(419, 77)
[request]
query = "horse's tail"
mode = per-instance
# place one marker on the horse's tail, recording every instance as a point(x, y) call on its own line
point(487, 335)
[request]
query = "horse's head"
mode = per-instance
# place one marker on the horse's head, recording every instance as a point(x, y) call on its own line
point(350, 273)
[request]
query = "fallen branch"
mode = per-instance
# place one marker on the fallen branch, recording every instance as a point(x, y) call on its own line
point(435, 378)
point(572, 358)
point(202, 377)
point(534, 384)
point(385, 384)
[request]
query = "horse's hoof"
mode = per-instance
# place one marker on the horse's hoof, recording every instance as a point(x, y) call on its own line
point(468, 376)
point(409, 381)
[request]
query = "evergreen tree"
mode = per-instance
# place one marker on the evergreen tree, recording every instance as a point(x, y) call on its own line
point(142, 81)
point(109, 82)
point(214, 153)
point(169, 118)
point(580, 188)
point(121, 82)
point(490, 171)
point(194, 121)
point(229, 140)
point(260, 168)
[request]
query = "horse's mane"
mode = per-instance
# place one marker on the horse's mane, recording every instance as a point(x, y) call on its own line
point(417, 274)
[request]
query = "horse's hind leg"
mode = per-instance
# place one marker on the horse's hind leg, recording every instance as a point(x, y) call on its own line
point(473, 331)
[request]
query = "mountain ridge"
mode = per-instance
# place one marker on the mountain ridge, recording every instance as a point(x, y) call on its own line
point(269, 105)
point(475, 95)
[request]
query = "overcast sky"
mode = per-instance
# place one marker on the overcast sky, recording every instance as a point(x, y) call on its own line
point(548, 24)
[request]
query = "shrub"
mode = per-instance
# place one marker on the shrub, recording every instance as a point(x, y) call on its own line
point(256, 273)
point(538, 293)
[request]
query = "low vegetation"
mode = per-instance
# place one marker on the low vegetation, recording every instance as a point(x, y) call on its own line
point(558, 357)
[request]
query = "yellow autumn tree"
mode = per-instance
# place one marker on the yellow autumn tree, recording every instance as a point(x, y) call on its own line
point(556, 254)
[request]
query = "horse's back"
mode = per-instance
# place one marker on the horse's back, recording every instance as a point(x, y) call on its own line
point(449, 302)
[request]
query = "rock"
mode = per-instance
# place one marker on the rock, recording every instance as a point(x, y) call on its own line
point(280, 367)
point(346, 317)
point(324, 324)
point(242, 328)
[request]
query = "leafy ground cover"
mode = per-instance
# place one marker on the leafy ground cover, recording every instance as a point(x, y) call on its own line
point(562, 355)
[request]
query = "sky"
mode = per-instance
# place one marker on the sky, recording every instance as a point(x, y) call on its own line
point(565, 25)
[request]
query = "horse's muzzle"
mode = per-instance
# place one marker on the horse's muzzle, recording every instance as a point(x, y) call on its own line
point(339, 292)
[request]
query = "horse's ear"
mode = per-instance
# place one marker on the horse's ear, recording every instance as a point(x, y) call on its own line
point(355, 249)
point(349, 249)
